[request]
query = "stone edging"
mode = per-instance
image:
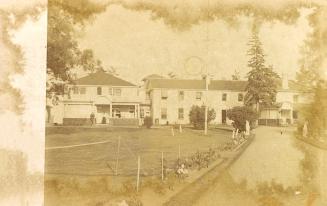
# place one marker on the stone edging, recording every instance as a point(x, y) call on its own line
point(193, 191)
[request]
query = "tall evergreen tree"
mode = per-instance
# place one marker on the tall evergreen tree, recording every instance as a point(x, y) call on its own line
point(262, 80)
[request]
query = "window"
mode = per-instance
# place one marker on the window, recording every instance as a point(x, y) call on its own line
point(295, 114)
point(180, 113)
point(82, 90)
point(110, 91)
point(117, 92)
point(164, 94)
point(147, 96)
point(181, 95)
point(99, 91)
point(141, 113)
point(75, 90)
point(295, 98)
point(224, 97)
point(240, 97)
point(198, 95)
point(116, 113)
point(163, 113)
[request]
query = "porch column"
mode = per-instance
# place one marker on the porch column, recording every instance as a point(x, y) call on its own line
point(138, 111)
point(110, 107)
point(135, 111)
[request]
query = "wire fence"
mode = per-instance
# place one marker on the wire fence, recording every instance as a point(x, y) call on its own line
point(122, 157)
point(119, 158)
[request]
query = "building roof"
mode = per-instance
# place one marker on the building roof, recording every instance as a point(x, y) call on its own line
point(230, 85)
point(197, 84)
point(102, 78)
point(152, 76)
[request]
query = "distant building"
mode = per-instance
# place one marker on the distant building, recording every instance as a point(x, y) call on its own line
point(112, 100)
point(289, 101)
point(115, 101)
point(172, 99)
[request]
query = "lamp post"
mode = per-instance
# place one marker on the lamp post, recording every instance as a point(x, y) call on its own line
point(194, 66)
point(206, 105)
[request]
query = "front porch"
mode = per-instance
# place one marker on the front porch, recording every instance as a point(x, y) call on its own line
point(117, 114)
point(280, 114)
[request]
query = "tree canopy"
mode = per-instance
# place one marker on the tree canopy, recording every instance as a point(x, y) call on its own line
point(66, 19)
point(311, 82)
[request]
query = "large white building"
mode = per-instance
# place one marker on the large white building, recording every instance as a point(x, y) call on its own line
point(117, 102)
point(172, 99)
point(112, 100)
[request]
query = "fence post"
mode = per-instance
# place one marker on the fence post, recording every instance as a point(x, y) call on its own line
point(162, 166)
point(138, 173)
point(179, 151)
point(117, 159)
point(172, 131)
point(180, 128)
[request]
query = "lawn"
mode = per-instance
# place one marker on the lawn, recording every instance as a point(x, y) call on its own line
point(100, 159)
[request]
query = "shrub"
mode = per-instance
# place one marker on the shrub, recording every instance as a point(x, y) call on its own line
point(240, 114)
point(197, 116)
point(316, 112)
point(148, 122)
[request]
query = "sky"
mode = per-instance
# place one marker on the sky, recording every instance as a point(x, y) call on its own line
point(136, 44)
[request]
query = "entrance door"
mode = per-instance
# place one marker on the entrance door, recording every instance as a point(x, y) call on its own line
point(223, 116)
point(103, 114)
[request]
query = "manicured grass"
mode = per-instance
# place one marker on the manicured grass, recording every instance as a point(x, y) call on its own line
point(100, 159)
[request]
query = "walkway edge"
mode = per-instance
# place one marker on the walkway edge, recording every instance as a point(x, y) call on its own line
point(191, 193)
point(317, 144)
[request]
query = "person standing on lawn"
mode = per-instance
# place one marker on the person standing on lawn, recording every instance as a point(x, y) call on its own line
point(305, 129)
point(92, 118)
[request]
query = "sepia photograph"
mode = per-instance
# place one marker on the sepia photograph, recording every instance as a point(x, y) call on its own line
point(172, 103)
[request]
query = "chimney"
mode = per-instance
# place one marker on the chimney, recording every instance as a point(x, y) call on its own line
point(284, 81)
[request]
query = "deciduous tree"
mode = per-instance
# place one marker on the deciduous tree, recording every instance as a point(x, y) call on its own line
point(66, 19)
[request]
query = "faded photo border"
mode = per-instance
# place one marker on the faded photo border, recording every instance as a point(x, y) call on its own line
point(23, 63)
point(23, 40)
